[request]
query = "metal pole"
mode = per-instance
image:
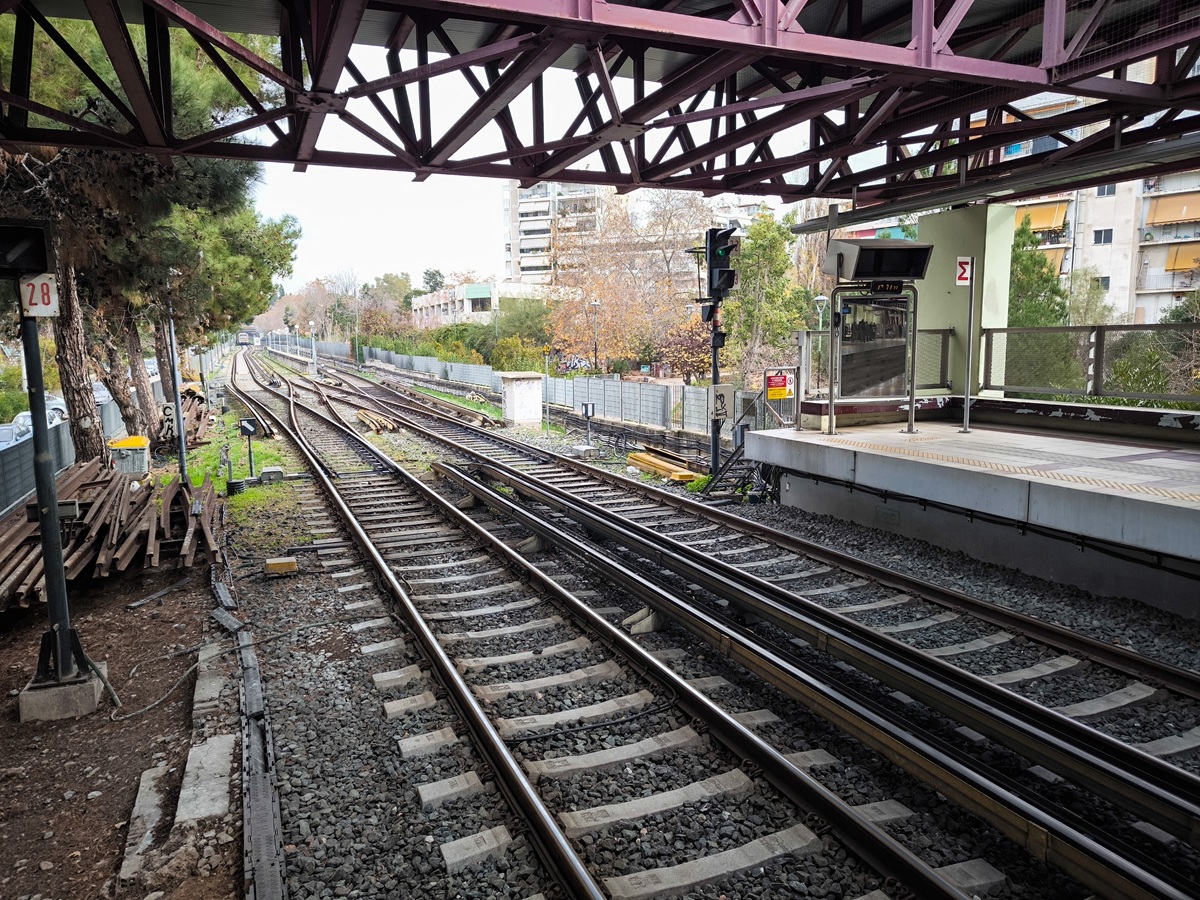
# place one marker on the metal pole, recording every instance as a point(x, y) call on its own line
point(834, 335)
point(183, 473)
point(714, 448)
point(912, 356)
point(802, 356)
point(595, 304)
point(47, 501)
point(250, 452)
point(546, 391)
point(966, 429)
point(312, 330)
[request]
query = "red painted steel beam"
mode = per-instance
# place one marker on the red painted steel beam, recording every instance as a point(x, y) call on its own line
point(333, 36)
point(518, 76)
point(110, 26)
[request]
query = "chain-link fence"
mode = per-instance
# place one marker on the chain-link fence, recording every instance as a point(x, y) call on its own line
point(1116, 362)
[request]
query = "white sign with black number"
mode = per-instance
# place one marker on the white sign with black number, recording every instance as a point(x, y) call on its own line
point(39, 295)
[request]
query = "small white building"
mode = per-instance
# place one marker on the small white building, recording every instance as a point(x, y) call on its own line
point(463, 303)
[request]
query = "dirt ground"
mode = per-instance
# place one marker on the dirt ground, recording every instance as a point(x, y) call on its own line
point(67, 788)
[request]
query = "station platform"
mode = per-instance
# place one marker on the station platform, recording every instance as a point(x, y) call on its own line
point(1115, 517)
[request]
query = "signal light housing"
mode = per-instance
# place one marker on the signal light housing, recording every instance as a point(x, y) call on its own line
point(719, 247)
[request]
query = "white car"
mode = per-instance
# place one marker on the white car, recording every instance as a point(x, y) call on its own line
point(56, 411)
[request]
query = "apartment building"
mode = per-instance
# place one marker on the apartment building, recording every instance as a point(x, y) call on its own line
point(1141, 238)
point(533, 218)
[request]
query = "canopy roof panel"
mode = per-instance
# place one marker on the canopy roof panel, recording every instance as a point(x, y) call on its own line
point(885, 106)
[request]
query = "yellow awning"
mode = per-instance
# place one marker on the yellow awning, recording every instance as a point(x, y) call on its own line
point(1043, 216)
point(1055, 255)
point(1174, 209)
point(1182, 257)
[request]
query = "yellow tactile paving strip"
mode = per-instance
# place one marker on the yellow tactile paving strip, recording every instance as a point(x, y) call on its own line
point(1049, 475)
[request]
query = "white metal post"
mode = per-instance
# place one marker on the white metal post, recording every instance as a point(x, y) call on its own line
point(966, 428)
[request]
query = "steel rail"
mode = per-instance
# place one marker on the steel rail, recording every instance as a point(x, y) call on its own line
point(867, 840)
point(1164, 794)
point(555, 849)
point(861, 836)
point(1182, 681)
point(1014, 810)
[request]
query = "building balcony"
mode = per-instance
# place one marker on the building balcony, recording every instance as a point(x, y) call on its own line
point(1165, 282)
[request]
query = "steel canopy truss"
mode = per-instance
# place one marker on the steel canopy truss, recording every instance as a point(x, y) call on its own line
point(902, 103)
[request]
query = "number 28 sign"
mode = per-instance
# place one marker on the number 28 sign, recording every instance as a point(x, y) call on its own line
point(39, 295)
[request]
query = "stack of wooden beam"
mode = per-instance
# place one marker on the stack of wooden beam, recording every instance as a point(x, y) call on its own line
point(376, 422)
point(118, 518)
point(655, 462)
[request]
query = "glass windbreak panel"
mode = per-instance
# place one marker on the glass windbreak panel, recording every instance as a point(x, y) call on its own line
point(874, 356)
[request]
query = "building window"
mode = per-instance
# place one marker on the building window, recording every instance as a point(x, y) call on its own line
point(1106, 190)
point(1102, 236)
point(1102, 282)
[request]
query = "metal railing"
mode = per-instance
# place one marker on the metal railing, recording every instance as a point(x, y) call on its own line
point(933, 361)
point(1129, 362)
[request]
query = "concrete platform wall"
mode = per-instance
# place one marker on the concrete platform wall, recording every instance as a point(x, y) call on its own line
point(1053, 559)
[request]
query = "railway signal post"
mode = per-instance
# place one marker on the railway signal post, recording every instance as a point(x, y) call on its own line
point(719, 247)
point(62, 687)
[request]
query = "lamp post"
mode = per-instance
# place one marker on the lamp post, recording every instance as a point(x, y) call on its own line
point(312, 330)
point(596, 335)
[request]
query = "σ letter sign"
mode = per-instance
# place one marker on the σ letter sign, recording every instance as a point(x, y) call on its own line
point(962, 271)
point(39, 295)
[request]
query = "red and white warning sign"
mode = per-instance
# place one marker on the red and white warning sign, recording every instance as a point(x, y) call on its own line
point(962, 271)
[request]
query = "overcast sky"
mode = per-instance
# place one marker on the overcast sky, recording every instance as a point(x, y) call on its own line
point(372, 223)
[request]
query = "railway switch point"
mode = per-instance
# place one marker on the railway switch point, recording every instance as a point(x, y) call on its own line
point(281, 565)
point(65, 700)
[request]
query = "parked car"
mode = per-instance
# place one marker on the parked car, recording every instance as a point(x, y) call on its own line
point(101, 392)
point(22, 423)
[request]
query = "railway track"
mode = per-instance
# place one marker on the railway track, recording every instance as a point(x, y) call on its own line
point(838, 575)
point(428, 548)
point(1044, 838)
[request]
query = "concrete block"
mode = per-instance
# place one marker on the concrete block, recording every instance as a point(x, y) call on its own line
point(61, 701)
point(436, 793)
point(393, 709)
point(147, 810)
point(429, 742)
point(281, 565)
point(475, 848)
point(271, 475)
point(975, 876)
point(205, 790)
point(396, 677)
point(613, 757)
point(395, 645)
point(675, 880)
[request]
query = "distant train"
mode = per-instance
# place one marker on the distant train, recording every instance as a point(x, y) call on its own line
point(244, 339)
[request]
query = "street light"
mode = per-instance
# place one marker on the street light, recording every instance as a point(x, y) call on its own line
point(596, 335)
point(312, 329)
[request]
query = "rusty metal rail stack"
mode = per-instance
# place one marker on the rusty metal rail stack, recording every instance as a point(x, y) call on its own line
point(109, 518)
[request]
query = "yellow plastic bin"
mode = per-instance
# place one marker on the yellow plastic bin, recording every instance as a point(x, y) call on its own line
point(131, 455)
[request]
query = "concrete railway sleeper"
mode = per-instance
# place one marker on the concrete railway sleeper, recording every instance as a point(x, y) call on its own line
point(581, 478)
point(1165, 794)
point(1050, 832)
point(368, 481)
